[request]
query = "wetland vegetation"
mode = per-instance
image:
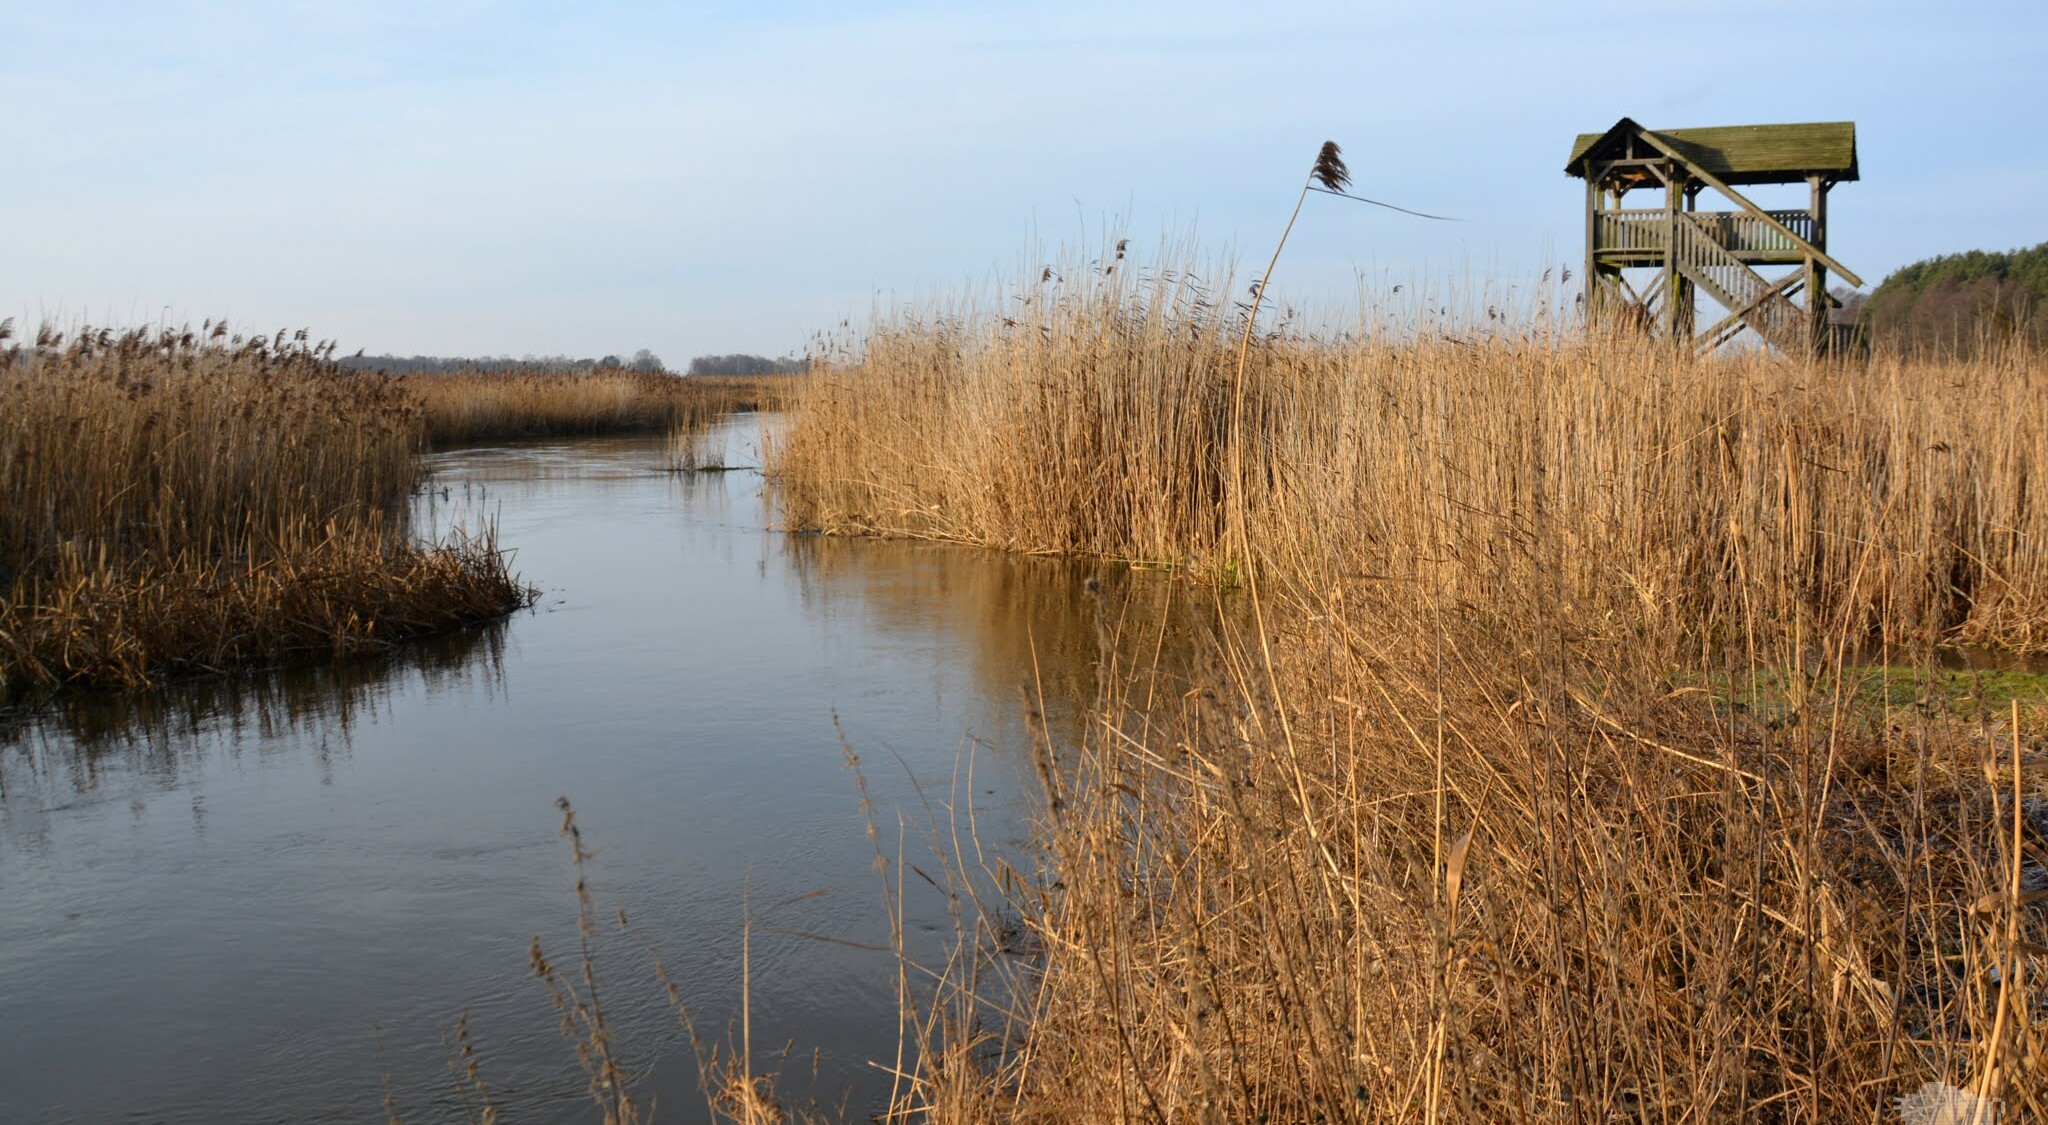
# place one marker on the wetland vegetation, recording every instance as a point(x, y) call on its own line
point(180, 502)
point(1554, 726)
point(175, 502)
point(469, 406)
point(1455, 820)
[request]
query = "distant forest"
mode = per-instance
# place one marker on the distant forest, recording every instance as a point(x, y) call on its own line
point(738, 364)
point(1962, 302)
point(642, 360)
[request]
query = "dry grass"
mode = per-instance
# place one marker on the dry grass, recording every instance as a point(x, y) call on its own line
point(170, 504)
point(499, 405)
point(1520, 788)
point(1413, 874)
point(1097, 419)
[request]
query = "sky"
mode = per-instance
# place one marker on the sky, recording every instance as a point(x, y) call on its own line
point(477, 177)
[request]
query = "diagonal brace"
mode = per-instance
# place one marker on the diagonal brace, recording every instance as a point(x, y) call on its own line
point(1714, 182)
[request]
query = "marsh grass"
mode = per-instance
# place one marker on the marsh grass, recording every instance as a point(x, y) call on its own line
point(495, 406)
point(1652, 492)
point(1430, 878)
point(176, 503)
point(1547, 785)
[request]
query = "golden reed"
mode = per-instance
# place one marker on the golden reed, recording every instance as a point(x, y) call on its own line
point(1543, 780)
point(491, 406)
point(173, 503)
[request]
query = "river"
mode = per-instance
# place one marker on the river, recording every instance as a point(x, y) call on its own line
point(267, 898)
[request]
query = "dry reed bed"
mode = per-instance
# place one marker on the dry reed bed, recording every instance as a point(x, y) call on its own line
point(488, 406)
point(1413, 874)
point(1099, 421)
point(1534, 787)
point(170, 503)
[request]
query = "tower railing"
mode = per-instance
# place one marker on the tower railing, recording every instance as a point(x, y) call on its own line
point(1644, 230)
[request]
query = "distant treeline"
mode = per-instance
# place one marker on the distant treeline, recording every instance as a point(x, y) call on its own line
point(1961, 302)
point(745, 365)
point(642, 360)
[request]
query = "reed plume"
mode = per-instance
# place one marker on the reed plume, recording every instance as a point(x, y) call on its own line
point(1329, 169)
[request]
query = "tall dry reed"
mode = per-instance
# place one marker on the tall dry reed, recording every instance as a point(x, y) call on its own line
point(488, 406)
point(1095, 417)
point(1547, 787)
point(1417, 874)
point(176, 503)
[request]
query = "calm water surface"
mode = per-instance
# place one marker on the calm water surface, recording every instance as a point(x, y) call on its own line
point(250, 900)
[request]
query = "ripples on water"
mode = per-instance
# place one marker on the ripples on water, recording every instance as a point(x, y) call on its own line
point(220, 898)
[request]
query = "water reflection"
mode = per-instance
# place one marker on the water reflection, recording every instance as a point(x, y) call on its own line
point(66, 746)
point(218, 894)
point(1028, 626)
point(1040, 632)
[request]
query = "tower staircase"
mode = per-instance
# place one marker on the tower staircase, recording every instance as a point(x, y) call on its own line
point(1764, 306)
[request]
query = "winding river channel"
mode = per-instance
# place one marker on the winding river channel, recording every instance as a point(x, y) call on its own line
point(270, 898)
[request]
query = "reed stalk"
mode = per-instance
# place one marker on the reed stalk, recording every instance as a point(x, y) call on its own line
point(173, 502)
point(1566, 777)
point(496, 406)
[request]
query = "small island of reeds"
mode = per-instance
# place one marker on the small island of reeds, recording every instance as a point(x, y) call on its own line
point(175, 502)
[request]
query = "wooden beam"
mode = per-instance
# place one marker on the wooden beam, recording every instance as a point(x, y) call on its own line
point(1736, 318)
point(1634, 297)
point(1592, 274)
point(1820, 212)
point(1783, 287)
point(1670, 282)
point(1714, 182)
point(1815, 271)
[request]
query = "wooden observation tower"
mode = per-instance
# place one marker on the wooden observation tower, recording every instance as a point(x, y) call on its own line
point(1713, 253)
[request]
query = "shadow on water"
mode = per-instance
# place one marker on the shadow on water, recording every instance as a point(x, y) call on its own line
point(245, 899)
point(74, 743)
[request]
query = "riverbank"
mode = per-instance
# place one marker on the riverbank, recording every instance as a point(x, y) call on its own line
point(1542, 778)
point(178, 504)
point(175, 504)
point(494, 406)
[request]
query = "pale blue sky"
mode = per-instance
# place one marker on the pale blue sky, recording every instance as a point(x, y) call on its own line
point(483, 177)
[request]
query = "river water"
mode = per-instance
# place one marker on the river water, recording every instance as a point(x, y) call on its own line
point(270, 898)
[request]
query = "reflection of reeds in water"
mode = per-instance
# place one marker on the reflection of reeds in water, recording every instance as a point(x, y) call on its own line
point(1038, 630)
point(73, 739)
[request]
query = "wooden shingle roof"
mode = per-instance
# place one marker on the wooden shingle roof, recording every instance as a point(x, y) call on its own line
point(1748, 154)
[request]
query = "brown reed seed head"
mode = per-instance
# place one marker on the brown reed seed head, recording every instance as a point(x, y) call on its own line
point(1329, 169)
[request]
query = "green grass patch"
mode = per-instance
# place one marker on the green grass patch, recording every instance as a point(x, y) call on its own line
point(1878, 692)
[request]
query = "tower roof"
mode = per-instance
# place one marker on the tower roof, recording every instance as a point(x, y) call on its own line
point(1742, 154)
